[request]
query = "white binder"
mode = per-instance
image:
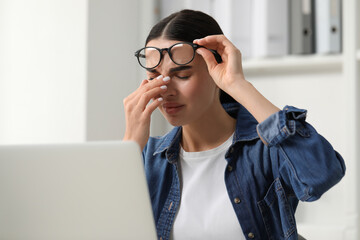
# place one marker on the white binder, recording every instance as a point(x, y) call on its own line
point(234, 17)
point(328, 26)
point(222, 14)
point(269, 28)
point(242, 26)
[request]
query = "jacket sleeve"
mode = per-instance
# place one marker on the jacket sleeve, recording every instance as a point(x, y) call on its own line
point(306, 161)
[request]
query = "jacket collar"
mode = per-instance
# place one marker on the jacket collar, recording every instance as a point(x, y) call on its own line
point(245, 131)
point(245, 122)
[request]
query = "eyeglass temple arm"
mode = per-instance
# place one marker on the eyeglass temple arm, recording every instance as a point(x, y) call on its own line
point(216, 54)
point(137, 54)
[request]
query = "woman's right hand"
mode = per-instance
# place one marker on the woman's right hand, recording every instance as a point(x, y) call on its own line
point(138, 110)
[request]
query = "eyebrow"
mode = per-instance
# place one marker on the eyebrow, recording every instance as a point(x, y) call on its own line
point(177, 69)
point(172, 70)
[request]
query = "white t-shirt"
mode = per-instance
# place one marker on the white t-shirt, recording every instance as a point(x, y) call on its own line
point(205, 210)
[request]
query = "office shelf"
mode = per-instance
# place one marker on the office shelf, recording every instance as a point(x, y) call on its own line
point(293, 64)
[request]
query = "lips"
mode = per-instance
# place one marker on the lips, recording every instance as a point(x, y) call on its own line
point(172, 108)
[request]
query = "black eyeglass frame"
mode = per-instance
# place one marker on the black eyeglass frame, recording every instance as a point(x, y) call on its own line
point(161, 50)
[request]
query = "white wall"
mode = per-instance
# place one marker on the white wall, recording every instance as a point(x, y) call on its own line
point(117, 28)
point(112, 71)
point(42, 71)
point(65, 67)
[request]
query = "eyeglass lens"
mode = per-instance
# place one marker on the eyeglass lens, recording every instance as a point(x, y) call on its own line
point(181, 53)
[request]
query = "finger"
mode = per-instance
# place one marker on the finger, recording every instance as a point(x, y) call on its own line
point(208, 57)
point(212, 40)
point(136, 92)
point(152, 106)
point(147, 96)
point(157, 82)
point(139, 103)
point(216, 42)
point(146, 85)
point(145, 81)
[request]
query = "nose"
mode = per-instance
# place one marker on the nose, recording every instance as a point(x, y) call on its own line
point(171, 90)
point(164, 69)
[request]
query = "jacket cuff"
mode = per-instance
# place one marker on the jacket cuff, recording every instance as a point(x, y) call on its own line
point(281, 125)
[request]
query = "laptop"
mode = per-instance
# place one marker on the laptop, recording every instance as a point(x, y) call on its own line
point(94, 190)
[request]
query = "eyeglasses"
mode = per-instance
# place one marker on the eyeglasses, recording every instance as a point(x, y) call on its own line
point(181, 53)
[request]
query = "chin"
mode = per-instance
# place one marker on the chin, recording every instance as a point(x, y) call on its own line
point(175, 122)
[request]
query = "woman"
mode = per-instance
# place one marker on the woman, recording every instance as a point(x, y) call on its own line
point(235, 166)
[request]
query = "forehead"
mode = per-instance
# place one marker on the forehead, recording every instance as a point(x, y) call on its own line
point(161, 43)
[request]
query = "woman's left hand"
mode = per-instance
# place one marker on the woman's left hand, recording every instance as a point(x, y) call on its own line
point(228, 73)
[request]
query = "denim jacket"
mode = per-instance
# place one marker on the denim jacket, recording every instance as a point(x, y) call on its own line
point(264, 181)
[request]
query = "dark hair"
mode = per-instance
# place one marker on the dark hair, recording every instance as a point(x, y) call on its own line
point(188, 25)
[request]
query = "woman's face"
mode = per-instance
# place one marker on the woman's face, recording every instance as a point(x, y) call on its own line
point(191, 93)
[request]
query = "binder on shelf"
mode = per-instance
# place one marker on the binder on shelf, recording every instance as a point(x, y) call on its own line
point(234, 18)
point(222, 14)
point(269, 28)
point(328, 26)
point(302, 26)
point(241, 26)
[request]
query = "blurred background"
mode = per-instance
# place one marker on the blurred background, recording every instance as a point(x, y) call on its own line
point(65, 67)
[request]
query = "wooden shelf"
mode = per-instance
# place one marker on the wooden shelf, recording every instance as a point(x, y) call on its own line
point(293, 64)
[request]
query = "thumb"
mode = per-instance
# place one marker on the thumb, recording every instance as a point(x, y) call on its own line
point(208, 57)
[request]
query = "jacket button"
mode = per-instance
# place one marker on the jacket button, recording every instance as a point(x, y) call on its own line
point(229, 168)
point(237, 200)
point(231, 150)
point(251, 235)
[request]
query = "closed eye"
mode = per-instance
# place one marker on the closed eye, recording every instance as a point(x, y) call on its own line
point(183, 77)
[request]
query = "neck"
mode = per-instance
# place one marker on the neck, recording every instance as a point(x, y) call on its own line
point(213, 129)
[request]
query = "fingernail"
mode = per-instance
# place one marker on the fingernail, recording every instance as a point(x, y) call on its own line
point(163, 87)
point(196, 40)
point(159, 77)
point(160, 99)
point(166, 79)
